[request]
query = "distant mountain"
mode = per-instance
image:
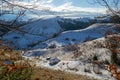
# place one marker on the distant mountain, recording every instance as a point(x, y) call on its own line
point(33, 33)
point(76, 23)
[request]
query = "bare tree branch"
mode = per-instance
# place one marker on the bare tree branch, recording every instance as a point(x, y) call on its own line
point(113, 6)
point(11, 7)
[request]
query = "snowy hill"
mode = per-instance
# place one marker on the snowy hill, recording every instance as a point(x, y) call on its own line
point(78, 36)
point(33, 33)
point(41, 30)
point(78, 59)
point(47, 33)
point(73, 52)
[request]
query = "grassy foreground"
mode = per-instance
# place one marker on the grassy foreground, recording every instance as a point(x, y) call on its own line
point(48, 74)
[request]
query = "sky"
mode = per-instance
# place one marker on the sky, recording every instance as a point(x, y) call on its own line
point(79, 3)
point(72, 8)
point(73, 5)
point(65, 8)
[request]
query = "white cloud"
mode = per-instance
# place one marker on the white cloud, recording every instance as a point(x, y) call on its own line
point(63, 7)
point(46, 1)
point(69, 7)
point(49, 1)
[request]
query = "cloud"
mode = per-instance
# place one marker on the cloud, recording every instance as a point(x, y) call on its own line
point(47, 1)
point(65, 9)
point(68, 7)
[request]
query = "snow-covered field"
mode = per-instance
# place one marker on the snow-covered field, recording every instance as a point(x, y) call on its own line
point(74, 67)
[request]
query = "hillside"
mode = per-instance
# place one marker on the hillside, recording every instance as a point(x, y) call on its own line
point(92, 32)
point(33, 33)
point(78, 59)
point(38, 31)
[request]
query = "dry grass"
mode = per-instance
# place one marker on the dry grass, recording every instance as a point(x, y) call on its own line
point(47, 74)
point(11, 65)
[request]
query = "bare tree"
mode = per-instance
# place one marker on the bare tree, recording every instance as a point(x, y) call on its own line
point(18, 8)
point(112, 6)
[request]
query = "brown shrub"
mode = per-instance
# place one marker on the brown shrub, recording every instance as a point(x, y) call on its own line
point(9, 69)
point(113, 44)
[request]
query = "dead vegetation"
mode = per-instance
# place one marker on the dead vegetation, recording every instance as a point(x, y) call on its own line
point(47, 74)
point(113, 44)
point(9, 69)
point(114, 71)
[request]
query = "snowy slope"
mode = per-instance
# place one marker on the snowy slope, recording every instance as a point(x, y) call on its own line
point(33, 33)
point(92, 32)
point(38, 31)
point(76, 59)
point(93, 47)
point(47, 27)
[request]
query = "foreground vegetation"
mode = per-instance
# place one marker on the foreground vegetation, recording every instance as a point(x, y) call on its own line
point(12, 64)
point(14, 67)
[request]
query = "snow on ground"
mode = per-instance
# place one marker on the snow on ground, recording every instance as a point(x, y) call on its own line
point(77, 61)
point(81, 51)
point(74, 67)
